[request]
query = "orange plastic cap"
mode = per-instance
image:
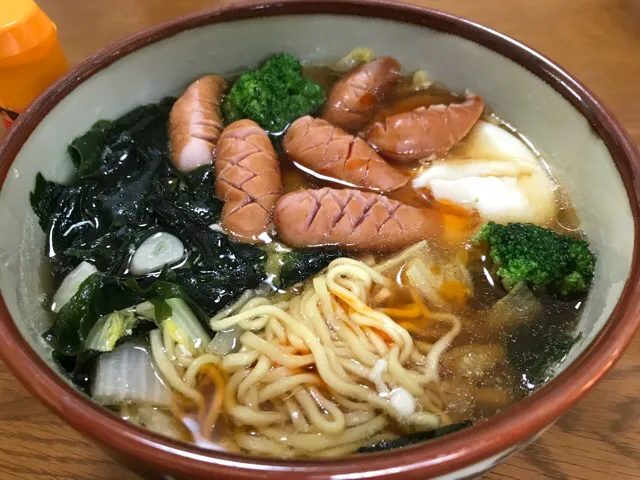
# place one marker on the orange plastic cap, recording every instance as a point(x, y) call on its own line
point(23, 26)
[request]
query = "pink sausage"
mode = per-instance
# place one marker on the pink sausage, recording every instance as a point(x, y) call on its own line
point(248, 180)
point(425, 132)
point(330, 151)
point(195, 123)
point(352, 219)
point(354, 98)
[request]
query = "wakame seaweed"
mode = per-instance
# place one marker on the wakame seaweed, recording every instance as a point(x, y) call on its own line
point(143, 127)
point(108, 251)
point(98, 295)
point(535, 353)
point(125, 189)
point(535, 349)
point(300, 264)
point(107, 205)
point(193, 198)
point(414, 438)
point(44, 199)
point(219, 269)
point(102, 294)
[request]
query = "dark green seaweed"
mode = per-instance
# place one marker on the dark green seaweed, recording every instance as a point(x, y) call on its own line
point(44, 199)
point(98, 295)
point(298, 265)
point(101, 294)
point(108, 252)
point(125, 189)
point(414, 438)
point(107, 206)
point(535, 350)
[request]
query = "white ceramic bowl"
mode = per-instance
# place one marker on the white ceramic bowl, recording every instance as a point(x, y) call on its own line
point(586, 147)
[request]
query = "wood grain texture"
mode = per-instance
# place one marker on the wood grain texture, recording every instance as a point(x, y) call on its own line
point(596, 40)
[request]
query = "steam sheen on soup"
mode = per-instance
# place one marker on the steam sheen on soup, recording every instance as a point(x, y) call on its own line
point(310, 261)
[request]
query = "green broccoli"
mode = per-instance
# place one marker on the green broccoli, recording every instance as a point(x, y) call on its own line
point(274, 95)
point(539, 256)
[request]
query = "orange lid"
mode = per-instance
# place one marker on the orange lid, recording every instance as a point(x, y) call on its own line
point(23, 26)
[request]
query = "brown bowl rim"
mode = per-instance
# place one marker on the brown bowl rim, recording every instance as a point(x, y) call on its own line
point(481, 441)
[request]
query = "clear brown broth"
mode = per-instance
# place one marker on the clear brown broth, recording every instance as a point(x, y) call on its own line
point(498, 384)
point(558, 315)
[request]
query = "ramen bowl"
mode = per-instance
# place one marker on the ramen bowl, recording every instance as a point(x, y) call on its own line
point(588, 150)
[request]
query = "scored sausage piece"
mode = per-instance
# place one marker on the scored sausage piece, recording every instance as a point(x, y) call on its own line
point(330, 151)
point(353, 220)
point(248, 180)
point(354, 98)
point(195, 123)
point(425, 132)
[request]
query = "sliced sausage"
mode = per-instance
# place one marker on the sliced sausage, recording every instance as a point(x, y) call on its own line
point(353, 99)
point(195, 123)
point(330, 151)
point(248, 180)
point(352, 219)
point(425, 132)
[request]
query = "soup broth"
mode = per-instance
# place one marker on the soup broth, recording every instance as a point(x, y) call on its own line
point(264, 346)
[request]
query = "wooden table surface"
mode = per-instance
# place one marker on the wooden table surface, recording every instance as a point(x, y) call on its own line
point(597, 40)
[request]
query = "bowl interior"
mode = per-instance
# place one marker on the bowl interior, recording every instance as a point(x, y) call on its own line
point(577, 156)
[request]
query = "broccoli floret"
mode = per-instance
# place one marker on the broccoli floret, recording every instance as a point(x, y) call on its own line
point(274, 95)
point(525, 252)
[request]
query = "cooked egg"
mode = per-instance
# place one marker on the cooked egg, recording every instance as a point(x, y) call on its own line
point(495, 174)
point(490, 142)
